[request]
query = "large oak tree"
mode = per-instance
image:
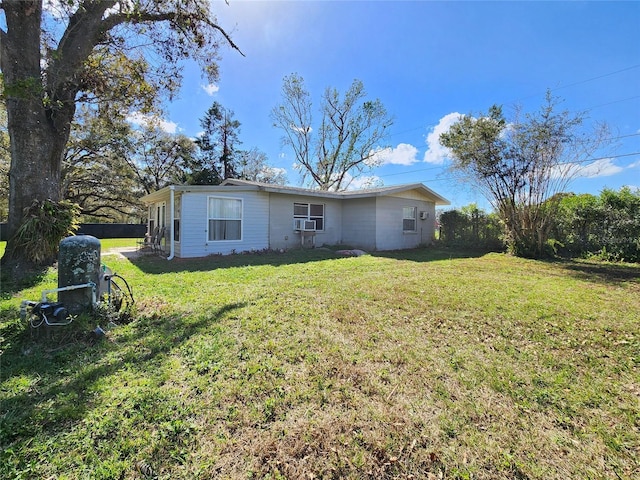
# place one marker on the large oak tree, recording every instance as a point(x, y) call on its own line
point(87, 51)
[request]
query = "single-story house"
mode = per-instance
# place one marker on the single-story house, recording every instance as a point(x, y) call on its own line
point(239, 216)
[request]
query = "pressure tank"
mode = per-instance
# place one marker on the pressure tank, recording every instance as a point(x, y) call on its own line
point(78, 264)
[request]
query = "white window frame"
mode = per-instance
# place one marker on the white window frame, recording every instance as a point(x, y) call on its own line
point(161, 213)
point(308, 215)
point(176, 217)
point(241, 219)
point(413, 217)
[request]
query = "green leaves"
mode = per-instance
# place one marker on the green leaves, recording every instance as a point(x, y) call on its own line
point(22, 88)
point(218, 144)
point(520, 165)
point(607, 225)
point(45, 223)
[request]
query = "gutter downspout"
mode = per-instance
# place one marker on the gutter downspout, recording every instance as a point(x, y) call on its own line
point(172, 215)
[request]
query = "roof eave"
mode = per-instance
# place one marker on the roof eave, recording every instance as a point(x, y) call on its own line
point(244, 185)
point(164, 192)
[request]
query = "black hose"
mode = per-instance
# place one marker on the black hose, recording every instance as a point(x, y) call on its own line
point(127, 285)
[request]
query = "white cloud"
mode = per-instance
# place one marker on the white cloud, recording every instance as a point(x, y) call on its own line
point(362, 182)
point(276, 170)
point(600, 168)
point(403, 154)
point(138, 118)
point(210, 88)
point(436, 153)
point(62, 10)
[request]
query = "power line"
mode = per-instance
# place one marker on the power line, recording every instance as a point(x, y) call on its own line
point(595, 159)
point(580, 82)
point(597, 78)
point(588, 109)
point(586, 161)
point(410, 171)
point(425, 126)
point(611, 103)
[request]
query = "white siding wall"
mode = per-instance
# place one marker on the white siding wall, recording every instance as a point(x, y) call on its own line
point(389, 234)
point(359, 223)
point(373, 223)
point(281, 233)
point(194, 221)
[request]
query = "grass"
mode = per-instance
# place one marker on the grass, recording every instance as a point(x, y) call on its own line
point(109, 243)
point(106, 244)
point(419, 364)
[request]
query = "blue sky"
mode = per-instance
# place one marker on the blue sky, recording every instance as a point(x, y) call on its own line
point(427, 61)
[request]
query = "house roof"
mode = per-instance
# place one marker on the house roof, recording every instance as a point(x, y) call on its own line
point(247, 185)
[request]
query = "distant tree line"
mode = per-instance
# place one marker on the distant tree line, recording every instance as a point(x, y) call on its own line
point(108, 164)
point(605, 226)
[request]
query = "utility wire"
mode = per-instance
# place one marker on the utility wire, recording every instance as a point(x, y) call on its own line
point(428, 125)
point(597, 78)
point(586, 161)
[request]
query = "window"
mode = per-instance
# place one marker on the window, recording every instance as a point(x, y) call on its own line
point(225, 219)
point(176, 220)
point(310, 211)
point(161, 215)
point(409, 219)
point(176, 229)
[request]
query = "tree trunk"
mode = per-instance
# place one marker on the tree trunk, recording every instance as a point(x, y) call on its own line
point(38, 133)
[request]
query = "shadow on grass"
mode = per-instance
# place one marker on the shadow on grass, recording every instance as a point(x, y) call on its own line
point(54, 387)
point(158, 265)
point(11, 284)
point(601, 272)
point(430, 254)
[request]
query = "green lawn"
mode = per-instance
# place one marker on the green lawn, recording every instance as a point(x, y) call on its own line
point(106, 244)
point(421, 364)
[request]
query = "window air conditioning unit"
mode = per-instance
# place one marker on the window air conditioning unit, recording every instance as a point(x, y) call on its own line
point(424, 215)
point(303, 225)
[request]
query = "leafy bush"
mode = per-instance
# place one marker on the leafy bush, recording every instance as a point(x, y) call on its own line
point(45, 223)
point(605, 226)
point(471, 227)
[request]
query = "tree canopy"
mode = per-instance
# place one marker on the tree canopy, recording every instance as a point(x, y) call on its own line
point(218, 145)
point(98, 52)
point(521, 165)
point(96, 174)
point(253, 166)
point(343, 144)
